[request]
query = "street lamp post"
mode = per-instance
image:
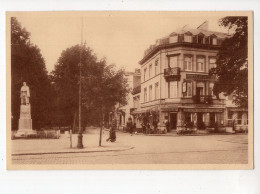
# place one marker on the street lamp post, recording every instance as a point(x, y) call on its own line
point(80, 142)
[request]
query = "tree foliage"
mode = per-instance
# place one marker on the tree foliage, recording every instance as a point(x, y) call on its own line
point(232, 67)
point(28, 65)
point(102, 86)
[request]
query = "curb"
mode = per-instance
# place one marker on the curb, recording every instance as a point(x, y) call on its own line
point(71, 152)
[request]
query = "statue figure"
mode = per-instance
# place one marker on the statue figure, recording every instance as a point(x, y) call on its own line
point(25, 94)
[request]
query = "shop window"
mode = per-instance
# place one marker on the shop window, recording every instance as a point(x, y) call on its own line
point(188, 117)
point(239, 118)
point(200, 64)
point(188, 63)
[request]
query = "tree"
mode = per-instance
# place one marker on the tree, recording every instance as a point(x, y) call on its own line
point(232, 67)
point(28, 65)
point(102, 86)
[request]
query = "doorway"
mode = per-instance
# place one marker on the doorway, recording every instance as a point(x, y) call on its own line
point(173, 121)
point(200, 120)
point(212, 118)
point(199, 92)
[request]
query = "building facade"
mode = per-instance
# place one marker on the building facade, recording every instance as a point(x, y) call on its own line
point(124, 112)
point(175, 81)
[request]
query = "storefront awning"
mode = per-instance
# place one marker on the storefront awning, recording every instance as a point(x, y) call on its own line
point(237, 109)
point(203, 110)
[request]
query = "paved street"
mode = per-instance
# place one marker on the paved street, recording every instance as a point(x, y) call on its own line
point(209, 149)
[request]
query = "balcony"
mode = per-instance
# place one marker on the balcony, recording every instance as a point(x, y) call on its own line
point(203, 99)
point(172, 74)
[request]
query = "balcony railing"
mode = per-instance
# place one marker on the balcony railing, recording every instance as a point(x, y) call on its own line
point(203, 99)
point(172, 74)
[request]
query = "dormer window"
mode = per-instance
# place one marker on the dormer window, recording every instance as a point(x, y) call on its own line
point(213, 39)
point(187, 37)
point(173, 39)
point(201, 38)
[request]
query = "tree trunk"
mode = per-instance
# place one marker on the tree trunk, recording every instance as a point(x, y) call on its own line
point(74, 121)
point(101, 127)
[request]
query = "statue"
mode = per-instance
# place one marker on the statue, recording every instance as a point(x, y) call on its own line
point(25, 121)
point(25, 94)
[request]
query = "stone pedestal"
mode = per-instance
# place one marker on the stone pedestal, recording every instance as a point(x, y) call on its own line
point(25, 122)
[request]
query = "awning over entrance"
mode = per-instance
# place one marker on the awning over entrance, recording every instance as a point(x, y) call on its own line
point(234, 109)
point(147, 110)
point(169, 109)
point(203, 110)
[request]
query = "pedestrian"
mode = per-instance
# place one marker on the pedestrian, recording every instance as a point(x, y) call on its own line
point(112, 131)
point(167, 124)
point(129, 125)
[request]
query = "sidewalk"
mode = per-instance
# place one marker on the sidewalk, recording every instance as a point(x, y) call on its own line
point(62, 145)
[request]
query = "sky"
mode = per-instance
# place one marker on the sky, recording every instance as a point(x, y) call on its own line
point(120, 37)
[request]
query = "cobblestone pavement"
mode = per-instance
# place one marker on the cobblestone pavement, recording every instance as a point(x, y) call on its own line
point(212, 149)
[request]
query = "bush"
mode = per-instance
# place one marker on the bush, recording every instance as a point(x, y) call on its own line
point(201, 125)
point(189, 124)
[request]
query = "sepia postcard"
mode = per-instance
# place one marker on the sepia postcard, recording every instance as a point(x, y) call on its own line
point(129, 90)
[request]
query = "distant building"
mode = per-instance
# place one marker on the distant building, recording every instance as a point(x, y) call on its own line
point(133, 80)
point(175, 81)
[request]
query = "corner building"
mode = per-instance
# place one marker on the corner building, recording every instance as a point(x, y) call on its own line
point(175, 80)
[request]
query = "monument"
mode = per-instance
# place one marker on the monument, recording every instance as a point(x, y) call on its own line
point(25, 121)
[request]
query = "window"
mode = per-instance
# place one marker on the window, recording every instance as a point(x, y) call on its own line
point(214, 41)
point(156, 67)
point(173, 89)
point(150, 71)
point(187, 117)
point(245, 119)
point(189, 89)
point(145, 74)
point(200, 64)
point(145, 94)
point(187, 63)
point(173, 61)
point(200, 39)
point(200, 88)
point(230, 115)
point(150, 93)
point(211, 86)
point(239, 118)
point(156, 94)
point(212, 63)
point(187, 38)
point(173, 39)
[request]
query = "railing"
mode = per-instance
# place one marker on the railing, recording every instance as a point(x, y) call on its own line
point(172, 74)
point(136, 90)
point(203, 99)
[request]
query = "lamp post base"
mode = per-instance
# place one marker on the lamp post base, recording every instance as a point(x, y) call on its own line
point(80, 144)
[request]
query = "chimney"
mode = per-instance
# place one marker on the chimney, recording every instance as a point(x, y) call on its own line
point(204, 26)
